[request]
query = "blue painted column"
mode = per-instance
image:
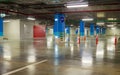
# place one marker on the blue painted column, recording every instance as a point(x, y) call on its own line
point(59, 25)
point(1, 27)
point(92, 29)
point(97, 30)
point(76, 31)
point(103, 31)
point(82, 28)
point(67, 29)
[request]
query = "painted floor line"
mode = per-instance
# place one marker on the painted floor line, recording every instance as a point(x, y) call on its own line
point(25, 67)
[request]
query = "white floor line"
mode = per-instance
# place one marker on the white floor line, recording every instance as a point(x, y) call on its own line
point(25, 67)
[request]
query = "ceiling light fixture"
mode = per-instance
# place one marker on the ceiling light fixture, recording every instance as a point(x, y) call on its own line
point(100, 23)
point(113, 28)
point(112, 18)
point(88, 19)
point(110, 25)
point(76, 6)
point(30, 18)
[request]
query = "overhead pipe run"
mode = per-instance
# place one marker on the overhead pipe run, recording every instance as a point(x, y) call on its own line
point(6, 10)
point(100, 4)
point(62, 6)
point(68, 12)
point(109, 10)
point(65, 12)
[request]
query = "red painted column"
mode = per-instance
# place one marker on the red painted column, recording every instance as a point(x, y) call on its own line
point(39, 31)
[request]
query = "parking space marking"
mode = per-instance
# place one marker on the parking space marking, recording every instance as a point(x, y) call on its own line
point(25, 67)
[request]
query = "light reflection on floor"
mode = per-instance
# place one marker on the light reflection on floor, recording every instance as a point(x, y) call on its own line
point(64, 58)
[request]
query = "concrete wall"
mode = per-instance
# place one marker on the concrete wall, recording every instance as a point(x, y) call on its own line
point(12, 30)
point(19, 29)
point(26, 29)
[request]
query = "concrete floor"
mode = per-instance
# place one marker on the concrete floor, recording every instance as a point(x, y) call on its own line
point(46, 57)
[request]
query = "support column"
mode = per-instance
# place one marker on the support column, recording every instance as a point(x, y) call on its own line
point(1, 27)
point(59, 26)
point(82, 28)
point(103, 31)
point(67, 31)
point(97, 30)
point(91, 29)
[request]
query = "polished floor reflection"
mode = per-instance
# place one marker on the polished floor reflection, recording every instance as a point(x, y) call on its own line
point(48, 57)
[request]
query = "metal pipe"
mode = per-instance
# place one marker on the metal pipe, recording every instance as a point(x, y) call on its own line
point(68, 12)
point(6, 10)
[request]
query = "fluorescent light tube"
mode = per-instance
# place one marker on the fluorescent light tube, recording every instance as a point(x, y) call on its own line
point(100, 23)
point(31, 18)
point(113, 28)
point(112, 18)
point(89, 19)
point(76, 6)
point(110, 25)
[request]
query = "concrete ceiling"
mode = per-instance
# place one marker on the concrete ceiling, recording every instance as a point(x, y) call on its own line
point(100, 10)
